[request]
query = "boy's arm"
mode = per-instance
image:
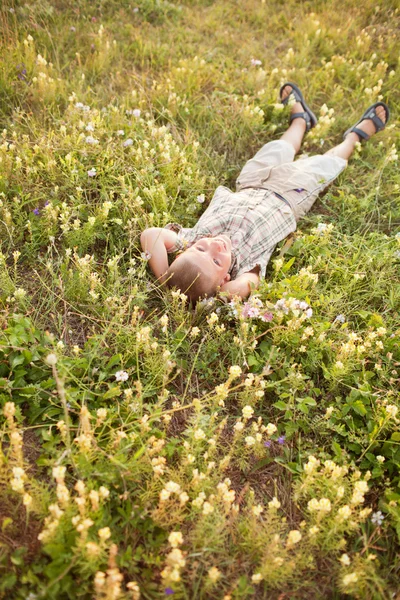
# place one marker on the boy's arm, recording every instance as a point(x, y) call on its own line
point(242, 286)
point(156, 241)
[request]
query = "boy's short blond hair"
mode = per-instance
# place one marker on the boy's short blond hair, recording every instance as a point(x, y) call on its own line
point(188, 277)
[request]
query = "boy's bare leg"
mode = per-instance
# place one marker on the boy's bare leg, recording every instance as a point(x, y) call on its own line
point(346, 148)
point(295, 133)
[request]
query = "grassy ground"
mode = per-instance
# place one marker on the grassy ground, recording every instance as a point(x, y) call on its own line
point(147, 449)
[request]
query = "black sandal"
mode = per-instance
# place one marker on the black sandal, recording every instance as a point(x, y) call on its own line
point(308, 115)
point(370, 114)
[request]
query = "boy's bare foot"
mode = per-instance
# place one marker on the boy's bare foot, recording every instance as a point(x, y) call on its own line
point(373, 120)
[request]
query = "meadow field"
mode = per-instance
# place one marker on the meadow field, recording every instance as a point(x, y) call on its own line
point(239, 450)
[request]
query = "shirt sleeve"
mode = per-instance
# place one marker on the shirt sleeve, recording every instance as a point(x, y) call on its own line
point(246, 268)
point(184, 237)
point(261, 261)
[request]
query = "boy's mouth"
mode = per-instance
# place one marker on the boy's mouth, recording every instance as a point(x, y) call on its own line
point(223, 243)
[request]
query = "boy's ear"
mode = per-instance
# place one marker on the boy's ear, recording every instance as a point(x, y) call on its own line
point(226, 279)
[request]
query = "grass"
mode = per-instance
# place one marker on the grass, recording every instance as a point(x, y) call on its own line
point(148, 449)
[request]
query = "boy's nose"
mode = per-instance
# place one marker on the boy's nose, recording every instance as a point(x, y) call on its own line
point(218, 245)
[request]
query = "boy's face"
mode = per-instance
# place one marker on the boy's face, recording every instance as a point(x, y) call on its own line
point(213, 255)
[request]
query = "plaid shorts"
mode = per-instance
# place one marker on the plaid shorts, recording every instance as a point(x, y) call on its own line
point(299, 183)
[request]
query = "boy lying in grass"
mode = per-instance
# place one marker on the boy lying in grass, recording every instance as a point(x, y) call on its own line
point(231, 244)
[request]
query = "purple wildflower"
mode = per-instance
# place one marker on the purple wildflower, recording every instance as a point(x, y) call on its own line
point(22, 72)
point(340, 319)
point(281, 305)
point(266, 317)
point(281, 440)
point(267, 444)
point(246, 309)
point(169, 591)
point(36, 212)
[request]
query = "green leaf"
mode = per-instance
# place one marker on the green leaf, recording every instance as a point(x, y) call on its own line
point(395, 436)
point(363, 314)
point(337, 450)
point(309, 401)
point(262, 463)
point(170, 448)
point(359, 408)
point(287, 266)
point(375, 320)
point(6, 522)
point(369, 375)
point(280, 404)
point(354, 447)
point(265, 347)
point(290, 466)
point(253, 361)
point(43, 462)
point(27, 391)
point(19, 359)
point(114, 360)
point(28, 355)
point(17, 557)
point(392, 496)
point(112, 393)
point(8, 581)
point(138, 453)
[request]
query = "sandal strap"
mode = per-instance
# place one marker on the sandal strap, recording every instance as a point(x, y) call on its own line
point(379, 124)
point(292, 93)
point(360, 133)
point(301, 115)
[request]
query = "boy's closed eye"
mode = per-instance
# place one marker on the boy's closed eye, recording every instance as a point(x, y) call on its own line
point(216, 261)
